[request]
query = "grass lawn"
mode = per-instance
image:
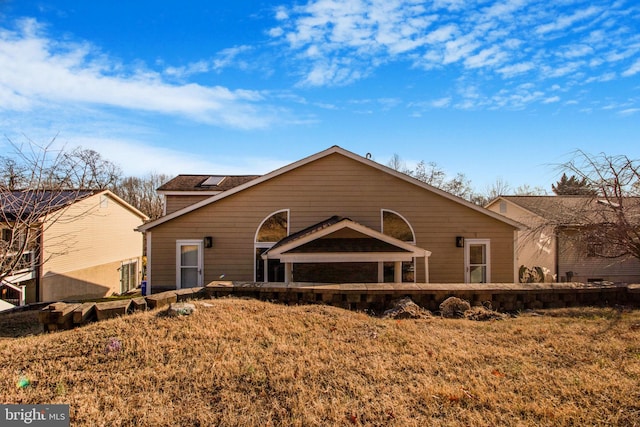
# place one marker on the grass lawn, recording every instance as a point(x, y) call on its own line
point(238, 362)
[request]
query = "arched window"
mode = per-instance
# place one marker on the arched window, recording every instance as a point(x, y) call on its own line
point(271, 230)
point(395, 225)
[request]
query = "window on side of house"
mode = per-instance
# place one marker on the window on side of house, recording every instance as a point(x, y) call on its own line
point(128, 276)
point(271, 230)
point(396, 226)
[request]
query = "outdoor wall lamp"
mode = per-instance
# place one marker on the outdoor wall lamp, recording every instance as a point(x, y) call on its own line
point(208, 242)
point(459, 242)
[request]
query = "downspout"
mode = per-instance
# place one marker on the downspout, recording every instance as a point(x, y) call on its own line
point(557, 254)
point(148, 254)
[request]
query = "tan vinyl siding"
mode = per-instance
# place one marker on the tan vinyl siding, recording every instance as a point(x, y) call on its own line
point(91, 282)
point(537, 244)
point(84, 247)
point(332, 185)
point(89, 234)
point(175, 203)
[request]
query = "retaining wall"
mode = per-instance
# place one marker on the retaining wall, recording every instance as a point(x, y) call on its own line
point(374, 298)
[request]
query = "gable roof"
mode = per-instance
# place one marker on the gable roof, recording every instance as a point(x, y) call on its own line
point(332, 150)
point(316, 239)
point(23, 203)
point(566, 210)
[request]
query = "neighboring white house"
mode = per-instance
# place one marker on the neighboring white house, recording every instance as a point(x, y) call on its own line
point(88, 248)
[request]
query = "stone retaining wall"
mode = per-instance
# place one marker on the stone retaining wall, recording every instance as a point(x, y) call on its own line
point(374, 298)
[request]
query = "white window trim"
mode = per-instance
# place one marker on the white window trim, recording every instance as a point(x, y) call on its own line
point(266, 245)
point(413, 233)
point(200, 244)
point(135, 272)
point(467, 266)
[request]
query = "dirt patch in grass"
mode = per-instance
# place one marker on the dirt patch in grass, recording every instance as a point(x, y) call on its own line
point(251, 363)
point(19, 324)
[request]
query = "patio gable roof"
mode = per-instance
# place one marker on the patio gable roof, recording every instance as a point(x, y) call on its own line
point(339, 239)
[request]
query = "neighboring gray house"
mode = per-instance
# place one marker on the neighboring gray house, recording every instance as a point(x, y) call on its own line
point(557, 238)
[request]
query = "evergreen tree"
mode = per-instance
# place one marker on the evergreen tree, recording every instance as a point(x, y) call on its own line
point(572, 186)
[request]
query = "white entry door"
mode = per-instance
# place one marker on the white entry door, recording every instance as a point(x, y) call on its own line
point(188, 264)
point(477, 261)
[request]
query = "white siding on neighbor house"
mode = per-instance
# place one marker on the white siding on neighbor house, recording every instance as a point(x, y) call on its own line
point(536, 245)
point(586, 268)
point(92, 232)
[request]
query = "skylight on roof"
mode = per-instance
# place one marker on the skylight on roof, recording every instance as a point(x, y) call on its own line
point(213, 181)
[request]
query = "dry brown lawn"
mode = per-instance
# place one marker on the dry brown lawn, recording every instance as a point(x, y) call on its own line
point(249, 363)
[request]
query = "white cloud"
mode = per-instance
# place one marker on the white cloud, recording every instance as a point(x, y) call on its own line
point(629, 111)
point(459, 48)
point(41, 72)
point(515, 69)
point(633, 70)
point(551, 100)
point(441, 103)
point(486, 57)
point(576, 51)
point(567, 20)
point(503, 38)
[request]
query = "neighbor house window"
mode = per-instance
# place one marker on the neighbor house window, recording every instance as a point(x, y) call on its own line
point(396, 226)
point(128, 276)
point(594, 249)
point(271, 230)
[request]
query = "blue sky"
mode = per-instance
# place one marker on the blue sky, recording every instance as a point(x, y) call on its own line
point(504, 89)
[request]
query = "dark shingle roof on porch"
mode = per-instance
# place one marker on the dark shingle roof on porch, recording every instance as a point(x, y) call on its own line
point(349, 245)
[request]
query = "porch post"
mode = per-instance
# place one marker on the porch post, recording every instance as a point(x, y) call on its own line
point(397, 272)
point(265, 272)
point(380, 272)
point(288, 272)
point(426, 268)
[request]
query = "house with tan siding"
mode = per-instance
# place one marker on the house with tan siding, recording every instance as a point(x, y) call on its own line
point(332, 217)
point(556, 237)
point(88, 247)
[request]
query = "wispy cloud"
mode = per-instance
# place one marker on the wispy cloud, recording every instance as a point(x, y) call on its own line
point(565, 21)
point(226, 58)
point(38, 71)
point(337, 42)
point(633, 69)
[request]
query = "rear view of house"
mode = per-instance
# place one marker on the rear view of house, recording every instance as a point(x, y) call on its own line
point(333, 217)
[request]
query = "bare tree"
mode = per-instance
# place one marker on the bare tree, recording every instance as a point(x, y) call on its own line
point(610, 223)
point(37, 185)
point(141, 193)
point(432, 174)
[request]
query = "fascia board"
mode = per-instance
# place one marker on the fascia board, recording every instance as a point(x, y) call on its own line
point(346, 257)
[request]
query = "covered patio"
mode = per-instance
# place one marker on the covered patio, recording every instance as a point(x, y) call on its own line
point(341, 241)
